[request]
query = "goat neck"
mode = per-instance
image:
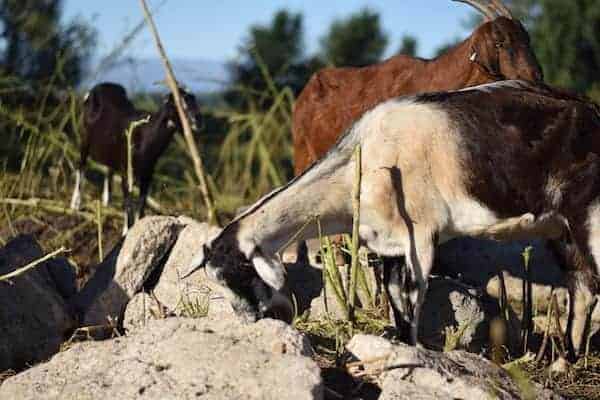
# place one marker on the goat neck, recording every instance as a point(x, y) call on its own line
point(277, 217)
point(460, 68)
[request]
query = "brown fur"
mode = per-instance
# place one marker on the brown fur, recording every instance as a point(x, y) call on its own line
point(107, 113)
point(335, 97)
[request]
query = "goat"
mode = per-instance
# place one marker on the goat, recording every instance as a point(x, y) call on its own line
point(503, 160)
point(334, 97)
point(107, 113)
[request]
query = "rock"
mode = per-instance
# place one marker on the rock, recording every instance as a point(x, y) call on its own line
point(369, 347)
point(131, 265)
point(410, 373)
point(448, 304)
point(141, 309)
point(177, 358)
point(407, 372)
point(34, 317)
point(175, 293)
point(452, 307)
point(560, 366)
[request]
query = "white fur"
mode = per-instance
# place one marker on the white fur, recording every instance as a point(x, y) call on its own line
point(270, 271)
point(125, 223)
point(76, 198)
point(593, 225)
point(106, 195)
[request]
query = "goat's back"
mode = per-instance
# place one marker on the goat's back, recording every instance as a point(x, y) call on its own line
point(107, 112)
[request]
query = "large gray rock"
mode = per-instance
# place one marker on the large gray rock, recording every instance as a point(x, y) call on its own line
point(408, 372)
point(34, 317)
point(182, 297)
point(131, 265)
point(451, 306)
point(178, 358)
point(171, 290)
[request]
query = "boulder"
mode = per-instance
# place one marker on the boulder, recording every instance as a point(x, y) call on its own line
point(178, 358)
point(34, 317)
point(172, 291)
point(132, 265)
point(407, 372)
point(449, 304)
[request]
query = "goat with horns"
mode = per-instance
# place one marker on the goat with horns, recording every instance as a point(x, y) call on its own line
point(503, 160)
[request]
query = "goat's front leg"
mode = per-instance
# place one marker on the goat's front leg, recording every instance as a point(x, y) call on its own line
point(107, 188)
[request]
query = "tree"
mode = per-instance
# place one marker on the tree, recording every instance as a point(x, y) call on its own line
point(34, 45)
point(445, 47)
point(277, 49)
point(408, 45)
point(566, 38)
point(356, 41)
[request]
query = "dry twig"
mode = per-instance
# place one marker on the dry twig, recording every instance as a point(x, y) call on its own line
point(33, 264)
point(185, 122)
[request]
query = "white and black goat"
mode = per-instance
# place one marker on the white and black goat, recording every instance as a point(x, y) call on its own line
point(503, 160)
point(107, 113)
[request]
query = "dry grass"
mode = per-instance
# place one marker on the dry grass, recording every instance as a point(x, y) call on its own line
point(581, 382)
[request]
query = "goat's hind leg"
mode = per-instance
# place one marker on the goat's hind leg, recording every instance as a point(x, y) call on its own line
point(419, 262)
point(581, 302)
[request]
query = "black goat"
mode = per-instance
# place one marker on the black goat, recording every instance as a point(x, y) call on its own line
point(107, 113)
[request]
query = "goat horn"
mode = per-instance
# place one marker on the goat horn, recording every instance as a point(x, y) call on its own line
point(484, 9)
point(501, 9)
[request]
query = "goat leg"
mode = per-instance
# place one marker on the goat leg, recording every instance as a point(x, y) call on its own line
point(394, 273)
point(107, 188)
point(76, 198)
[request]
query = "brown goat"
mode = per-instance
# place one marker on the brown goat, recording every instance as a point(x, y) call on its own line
point(335, 97)
point(107, 113)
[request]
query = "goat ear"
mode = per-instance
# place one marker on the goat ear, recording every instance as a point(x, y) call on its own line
point(270, 270)
point(199, 261)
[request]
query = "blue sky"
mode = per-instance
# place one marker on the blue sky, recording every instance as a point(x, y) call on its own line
point(213, 29)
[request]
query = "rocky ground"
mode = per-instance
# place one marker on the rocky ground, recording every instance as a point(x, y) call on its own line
point(157, 336)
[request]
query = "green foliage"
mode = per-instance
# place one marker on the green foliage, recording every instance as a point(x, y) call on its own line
point(277, 48)
point(356, 41)
point(408, 46)
point(566, 37)
point(34, 44)
point(445, 47)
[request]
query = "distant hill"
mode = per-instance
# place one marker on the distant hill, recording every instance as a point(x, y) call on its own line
point(141, 74)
